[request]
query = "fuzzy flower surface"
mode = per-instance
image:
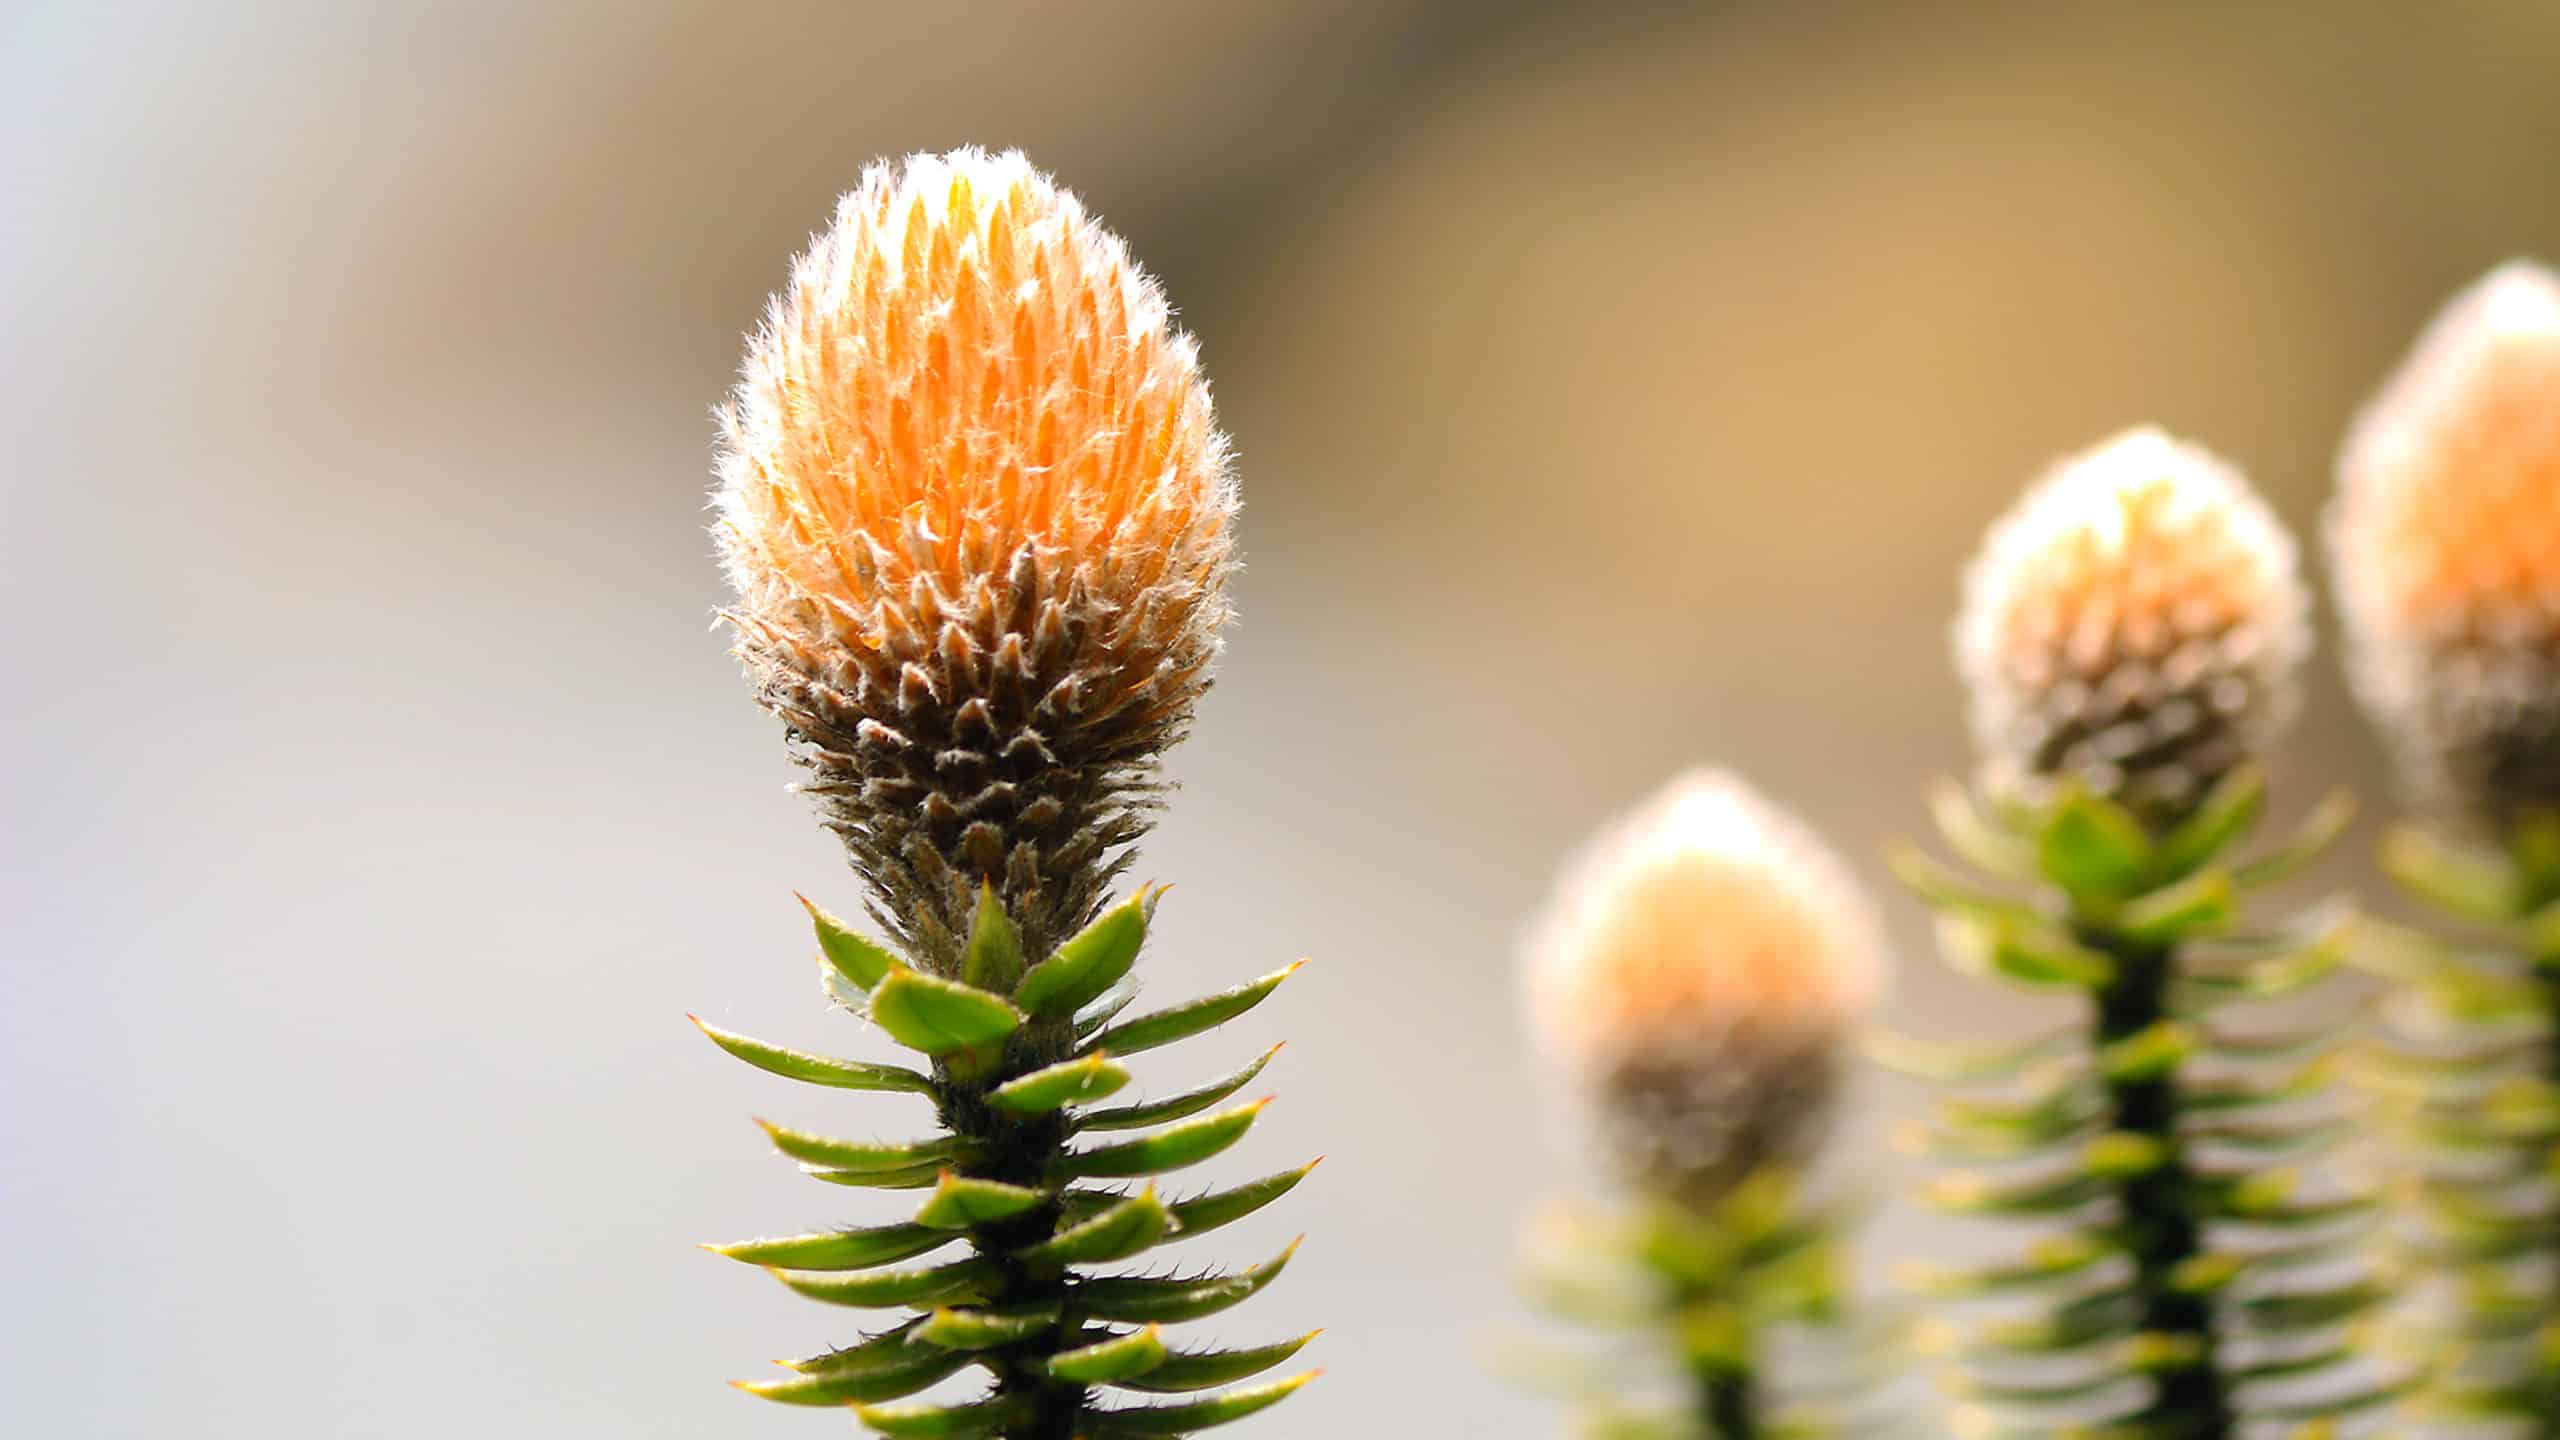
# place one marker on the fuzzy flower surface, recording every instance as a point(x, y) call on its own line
point(2445, 543)
point(2136, 622)
point(979, 518)
point(1698, 973)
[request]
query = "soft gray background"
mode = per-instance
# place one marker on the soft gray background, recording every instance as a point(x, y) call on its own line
point(1616, 388)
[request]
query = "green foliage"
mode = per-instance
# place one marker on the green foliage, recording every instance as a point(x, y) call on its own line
point(2177, 1287)
point(1713, 1287)
point(2470, 1094)
point(1020, 1048)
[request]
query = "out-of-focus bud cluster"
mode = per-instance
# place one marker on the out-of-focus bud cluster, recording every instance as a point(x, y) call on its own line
point(2445, 542)
point(1697, 976)
point(2137, 623)
point(979, 518)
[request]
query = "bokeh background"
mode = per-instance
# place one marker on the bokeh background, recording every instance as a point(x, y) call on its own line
point(1618, 387)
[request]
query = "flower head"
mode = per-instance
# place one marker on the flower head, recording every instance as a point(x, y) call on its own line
point(979, 518)
point(2136, 622)
point(2445, 540)
point(1698, 973)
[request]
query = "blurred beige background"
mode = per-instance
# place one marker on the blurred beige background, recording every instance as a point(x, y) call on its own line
point(1617, 388)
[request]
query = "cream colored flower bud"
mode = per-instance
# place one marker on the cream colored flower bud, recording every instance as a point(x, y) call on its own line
point(980, 522)
point(2137, 621)
point(2445, 543)
point(1697, 976)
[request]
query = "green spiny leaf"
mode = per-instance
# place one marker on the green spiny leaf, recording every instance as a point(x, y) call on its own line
point(938, 1016)
point(959, 1202)
point(977, 1420)
point(1090, 1076)
point(1090, 962)
point(1941, 889)
point(1168, 1149)
point(815, 1069)
point(1138, 1301)
point(1186, 1370)
point(1221, 1207)
point(1961, 1064)
point(986, 1328)
point(1181, 1022)
point(1090, 1021)
point(959, 1280)
point(839, 1249)
point(886, 1368)
point(862, 961)
point(1976, 1194)
point(1118, 1358)
point(1174, 1107)
point(863, 1158)
point(1198, 1414)
point(1133, 1225)
point(903, 1177)
point(2050, 1259)
point(993, 960)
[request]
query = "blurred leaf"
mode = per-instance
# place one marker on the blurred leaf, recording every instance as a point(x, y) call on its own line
point(2201, 904)
point(2309, 841)
point(1979, 840)
point(2094, 848)
point(2221, 820)
point(2463, 881)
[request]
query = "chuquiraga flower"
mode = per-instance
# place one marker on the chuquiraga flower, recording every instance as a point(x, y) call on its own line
point(1696, 976)
point(979, 522)
point(1695, 982)
point(2136, 624)
point(2445, 543)
point(2131, 635)
point(979, 517)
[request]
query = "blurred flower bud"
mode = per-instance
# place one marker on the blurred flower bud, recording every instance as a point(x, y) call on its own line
point(1697, 976)
point(979, 519)
point(2445, 542)
point(2135, 622)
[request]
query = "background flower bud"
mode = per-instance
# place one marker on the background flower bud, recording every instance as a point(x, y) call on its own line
point(979, 519)
point(2445, 543)
point(2136, 622)
point(1697, 975)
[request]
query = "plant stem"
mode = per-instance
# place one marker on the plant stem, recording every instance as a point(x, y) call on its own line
point(2160, 1224)
point(1729, 1402)
point(1022, 1151)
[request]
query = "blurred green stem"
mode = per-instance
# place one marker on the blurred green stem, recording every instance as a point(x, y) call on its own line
point(2162, 1232)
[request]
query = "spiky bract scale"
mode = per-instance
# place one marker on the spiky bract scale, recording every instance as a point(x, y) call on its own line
point(979, 518)
point(1696, 974)
point(2135, 623)
point(2445, 543)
